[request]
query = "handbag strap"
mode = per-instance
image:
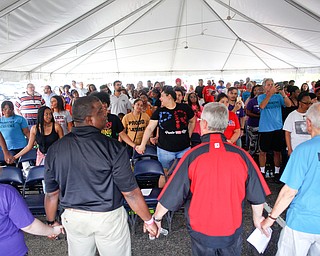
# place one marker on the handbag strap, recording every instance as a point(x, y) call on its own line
point(137, 128)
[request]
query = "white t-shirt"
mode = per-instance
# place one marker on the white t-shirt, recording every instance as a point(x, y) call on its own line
point(63, 118)
point(296, 124)
point(119, 104)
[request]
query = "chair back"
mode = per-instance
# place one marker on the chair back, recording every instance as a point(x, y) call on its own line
point(11, 175)
point(34, 179)
point(149, 153)
point(29, 156)
point(147, 173)
point(35, 174)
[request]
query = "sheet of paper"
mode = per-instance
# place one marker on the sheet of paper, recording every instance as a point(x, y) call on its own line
point(146, 191)
point(258, 240)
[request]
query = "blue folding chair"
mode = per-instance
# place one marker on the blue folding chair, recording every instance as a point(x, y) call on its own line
point(13, 176)
point(33, 191)
point(150, 153)
point(30, 157)
point(147, 173)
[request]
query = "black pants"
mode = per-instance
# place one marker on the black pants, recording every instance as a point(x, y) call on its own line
point(201, 250)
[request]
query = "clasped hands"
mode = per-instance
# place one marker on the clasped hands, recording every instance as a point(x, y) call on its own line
point(154, 229)
point(57, 230)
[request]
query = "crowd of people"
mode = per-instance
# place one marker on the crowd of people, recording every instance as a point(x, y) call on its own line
point(89, 174)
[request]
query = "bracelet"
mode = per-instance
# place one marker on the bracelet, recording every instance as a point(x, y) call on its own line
point(155, 219)
point(269, 215)
point(149, 222)
point(50, 223)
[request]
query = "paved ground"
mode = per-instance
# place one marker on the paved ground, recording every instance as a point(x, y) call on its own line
point(176, 243)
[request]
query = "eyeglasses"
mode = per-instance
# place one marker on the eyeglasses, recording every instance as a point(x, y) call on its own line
point(193, 97)
point(307, 103)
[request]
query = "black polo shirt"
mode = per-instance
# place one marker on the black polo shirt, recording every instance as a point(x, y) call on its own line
point(90, 170)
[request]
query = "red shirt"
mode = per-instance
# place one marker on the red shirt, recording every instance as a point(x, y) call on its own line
point(233, 124)
point(206, 92)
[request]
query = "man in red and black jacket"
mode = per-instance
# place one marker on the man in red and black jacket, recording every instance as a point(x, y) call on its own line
point(213, 180)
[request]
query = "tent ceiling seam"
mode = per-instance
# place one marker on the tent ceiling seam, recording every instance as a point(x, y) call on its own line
point(93, 36)
point(56, 32)
point(267, 29)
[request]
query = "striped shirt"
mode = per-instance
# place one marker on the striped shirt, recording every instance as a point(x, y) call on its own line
point(29, 104)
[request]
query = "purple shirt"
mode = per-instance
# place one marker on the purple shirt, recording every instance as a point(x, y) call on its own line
point(253, 106)
point(14, 215)
point(240, 113)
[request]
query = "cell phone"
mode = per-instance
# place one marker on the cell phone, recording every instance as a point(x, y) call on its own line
point(280, 84)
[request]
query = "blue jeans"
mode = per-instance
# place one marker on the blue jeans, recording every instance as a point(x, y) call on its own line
point(165, 157)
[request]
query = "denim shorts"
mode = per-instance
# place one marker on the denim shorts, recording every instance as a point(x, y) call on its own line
point(165, 157)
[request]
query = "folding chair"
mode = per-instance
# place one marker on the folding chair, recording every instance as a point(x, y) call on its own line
point(33, 191)
point(13, 176)
point(147, 173)
point(30, 157)
point(150, 153)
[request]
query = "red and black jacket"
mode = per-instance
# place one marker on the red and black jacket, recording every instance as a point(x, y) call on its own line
point(213, 179)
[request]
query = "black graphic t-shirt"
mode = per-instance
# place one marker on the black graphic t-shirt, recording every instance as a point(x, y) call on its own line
point(173, 127)
point(113, 126)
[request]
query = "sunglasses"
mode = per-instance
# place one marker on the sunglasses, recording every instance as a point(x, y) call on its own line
point(307, 103)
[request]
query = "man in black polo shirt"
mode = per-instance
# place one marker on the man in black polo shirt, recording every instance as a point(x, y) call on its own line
point(90, 174)
point(213, 179)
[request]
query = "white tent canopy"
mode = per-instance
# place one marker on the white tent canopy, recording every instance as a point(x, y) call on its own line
point(158, 36)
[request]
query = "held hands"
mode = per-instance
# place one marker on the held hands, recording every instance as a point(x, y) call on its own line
point(140, 149)
point(265, 224)
point(57, 230)
point(8, 157)
point(151, 228)
point(154, 140)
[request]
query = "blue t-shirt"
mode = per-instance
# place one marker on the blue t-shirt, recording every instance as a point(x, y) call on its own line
point(245, 96)
point(11, 129)
point(271, 115)
point(14, 215)
point(302, 173)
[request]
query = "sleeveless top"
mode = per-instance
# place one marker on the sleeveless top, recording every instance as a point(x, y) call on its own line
point(46, 141)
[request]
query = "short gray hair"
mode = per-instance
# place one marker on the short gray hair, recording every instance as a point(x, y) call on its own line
point(216, 115)
point(265, 80)
point(313, 114)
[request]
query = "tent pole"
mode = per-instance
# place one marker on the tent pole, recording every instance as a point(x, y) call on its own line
point(12, 7)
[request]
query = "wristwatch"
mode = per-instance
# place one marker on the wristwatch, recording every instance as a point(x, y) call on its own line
point(50, 223)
